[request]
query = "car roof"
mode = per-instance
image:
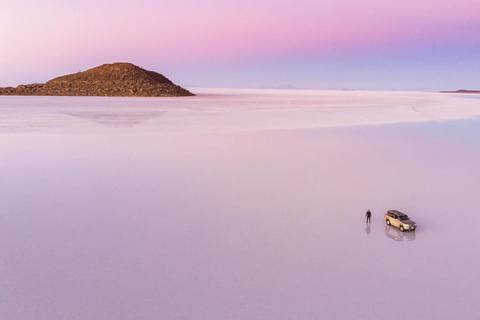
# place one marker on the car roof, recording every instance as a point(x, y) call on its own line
point(397, 212)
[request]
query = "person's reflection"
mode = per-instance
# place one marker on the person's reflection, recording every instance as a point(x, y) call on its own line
point(367, 228)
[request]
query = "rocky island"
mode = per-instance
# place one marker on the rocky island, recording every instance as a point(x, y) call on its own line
point(462, 91)
point(111, 80)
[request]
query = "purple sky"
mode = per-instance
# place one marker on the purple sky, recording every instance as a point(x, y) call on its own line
point(330, 44)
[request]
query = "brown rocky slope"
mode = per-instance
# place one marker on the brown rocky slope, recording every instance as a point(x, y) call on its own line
point(112, 80)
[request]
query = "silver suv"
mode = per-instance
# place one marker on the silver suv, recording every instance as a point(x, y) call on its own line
point(399, 220)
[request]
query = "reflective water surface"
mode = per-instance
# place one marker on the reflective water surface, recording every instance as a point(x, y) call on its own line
point(397, 235)
point(132, 221)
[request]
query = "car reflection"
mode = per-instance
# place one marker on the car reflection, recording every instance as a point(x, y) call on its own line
point(397, 235)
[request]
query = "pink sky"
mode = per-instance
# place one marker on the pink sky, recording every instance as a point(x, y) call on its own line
point(39, 40)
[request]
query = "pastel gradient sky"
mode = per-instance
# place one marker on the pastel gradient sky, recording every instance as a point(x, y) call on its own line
point(329, 44)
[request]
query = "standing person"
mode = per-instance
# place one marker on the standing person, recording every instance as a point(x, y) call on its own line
point(368, 215)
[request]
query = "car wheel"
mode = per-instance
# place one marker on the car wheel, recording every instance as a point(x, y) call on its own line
point(388, 222)
point(401, 228)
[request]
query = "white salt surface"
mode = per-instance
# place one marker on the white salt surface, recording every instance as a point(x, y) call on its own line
point(194, 208)
point(215, 110)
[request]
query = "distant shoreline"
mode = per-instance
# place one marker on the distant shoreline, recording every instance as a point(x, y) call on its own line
point(462, 91)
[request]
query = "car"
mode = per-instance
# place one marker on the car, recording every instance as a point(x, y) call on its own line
point(400, 220)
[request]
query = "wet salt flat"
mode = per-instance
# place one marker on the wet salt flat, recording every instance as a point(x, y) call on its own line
point(221, 110)
point(239, 205)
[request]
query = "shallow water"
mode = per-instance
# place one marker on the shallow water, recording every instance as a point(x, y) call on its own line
point(230, 110)
point(130, 221)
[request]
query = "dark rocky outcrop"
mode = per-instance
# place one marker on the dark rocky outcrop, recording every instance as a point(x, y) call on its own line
point(112, 80)
point(462, 91)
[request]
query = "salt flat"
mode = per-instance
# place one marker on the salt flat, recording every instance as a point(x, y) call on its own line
point(239, 204)
point(217, 110)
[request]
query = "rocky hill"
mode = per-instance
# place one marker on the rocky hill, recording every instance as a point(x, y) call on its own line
point(112, 80)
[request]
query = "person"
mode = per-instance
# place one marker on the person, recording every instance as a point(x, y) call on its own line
point(368, 215)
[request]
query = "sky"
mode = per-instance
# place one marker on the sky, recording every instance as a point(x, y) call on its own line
point(425, 45)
